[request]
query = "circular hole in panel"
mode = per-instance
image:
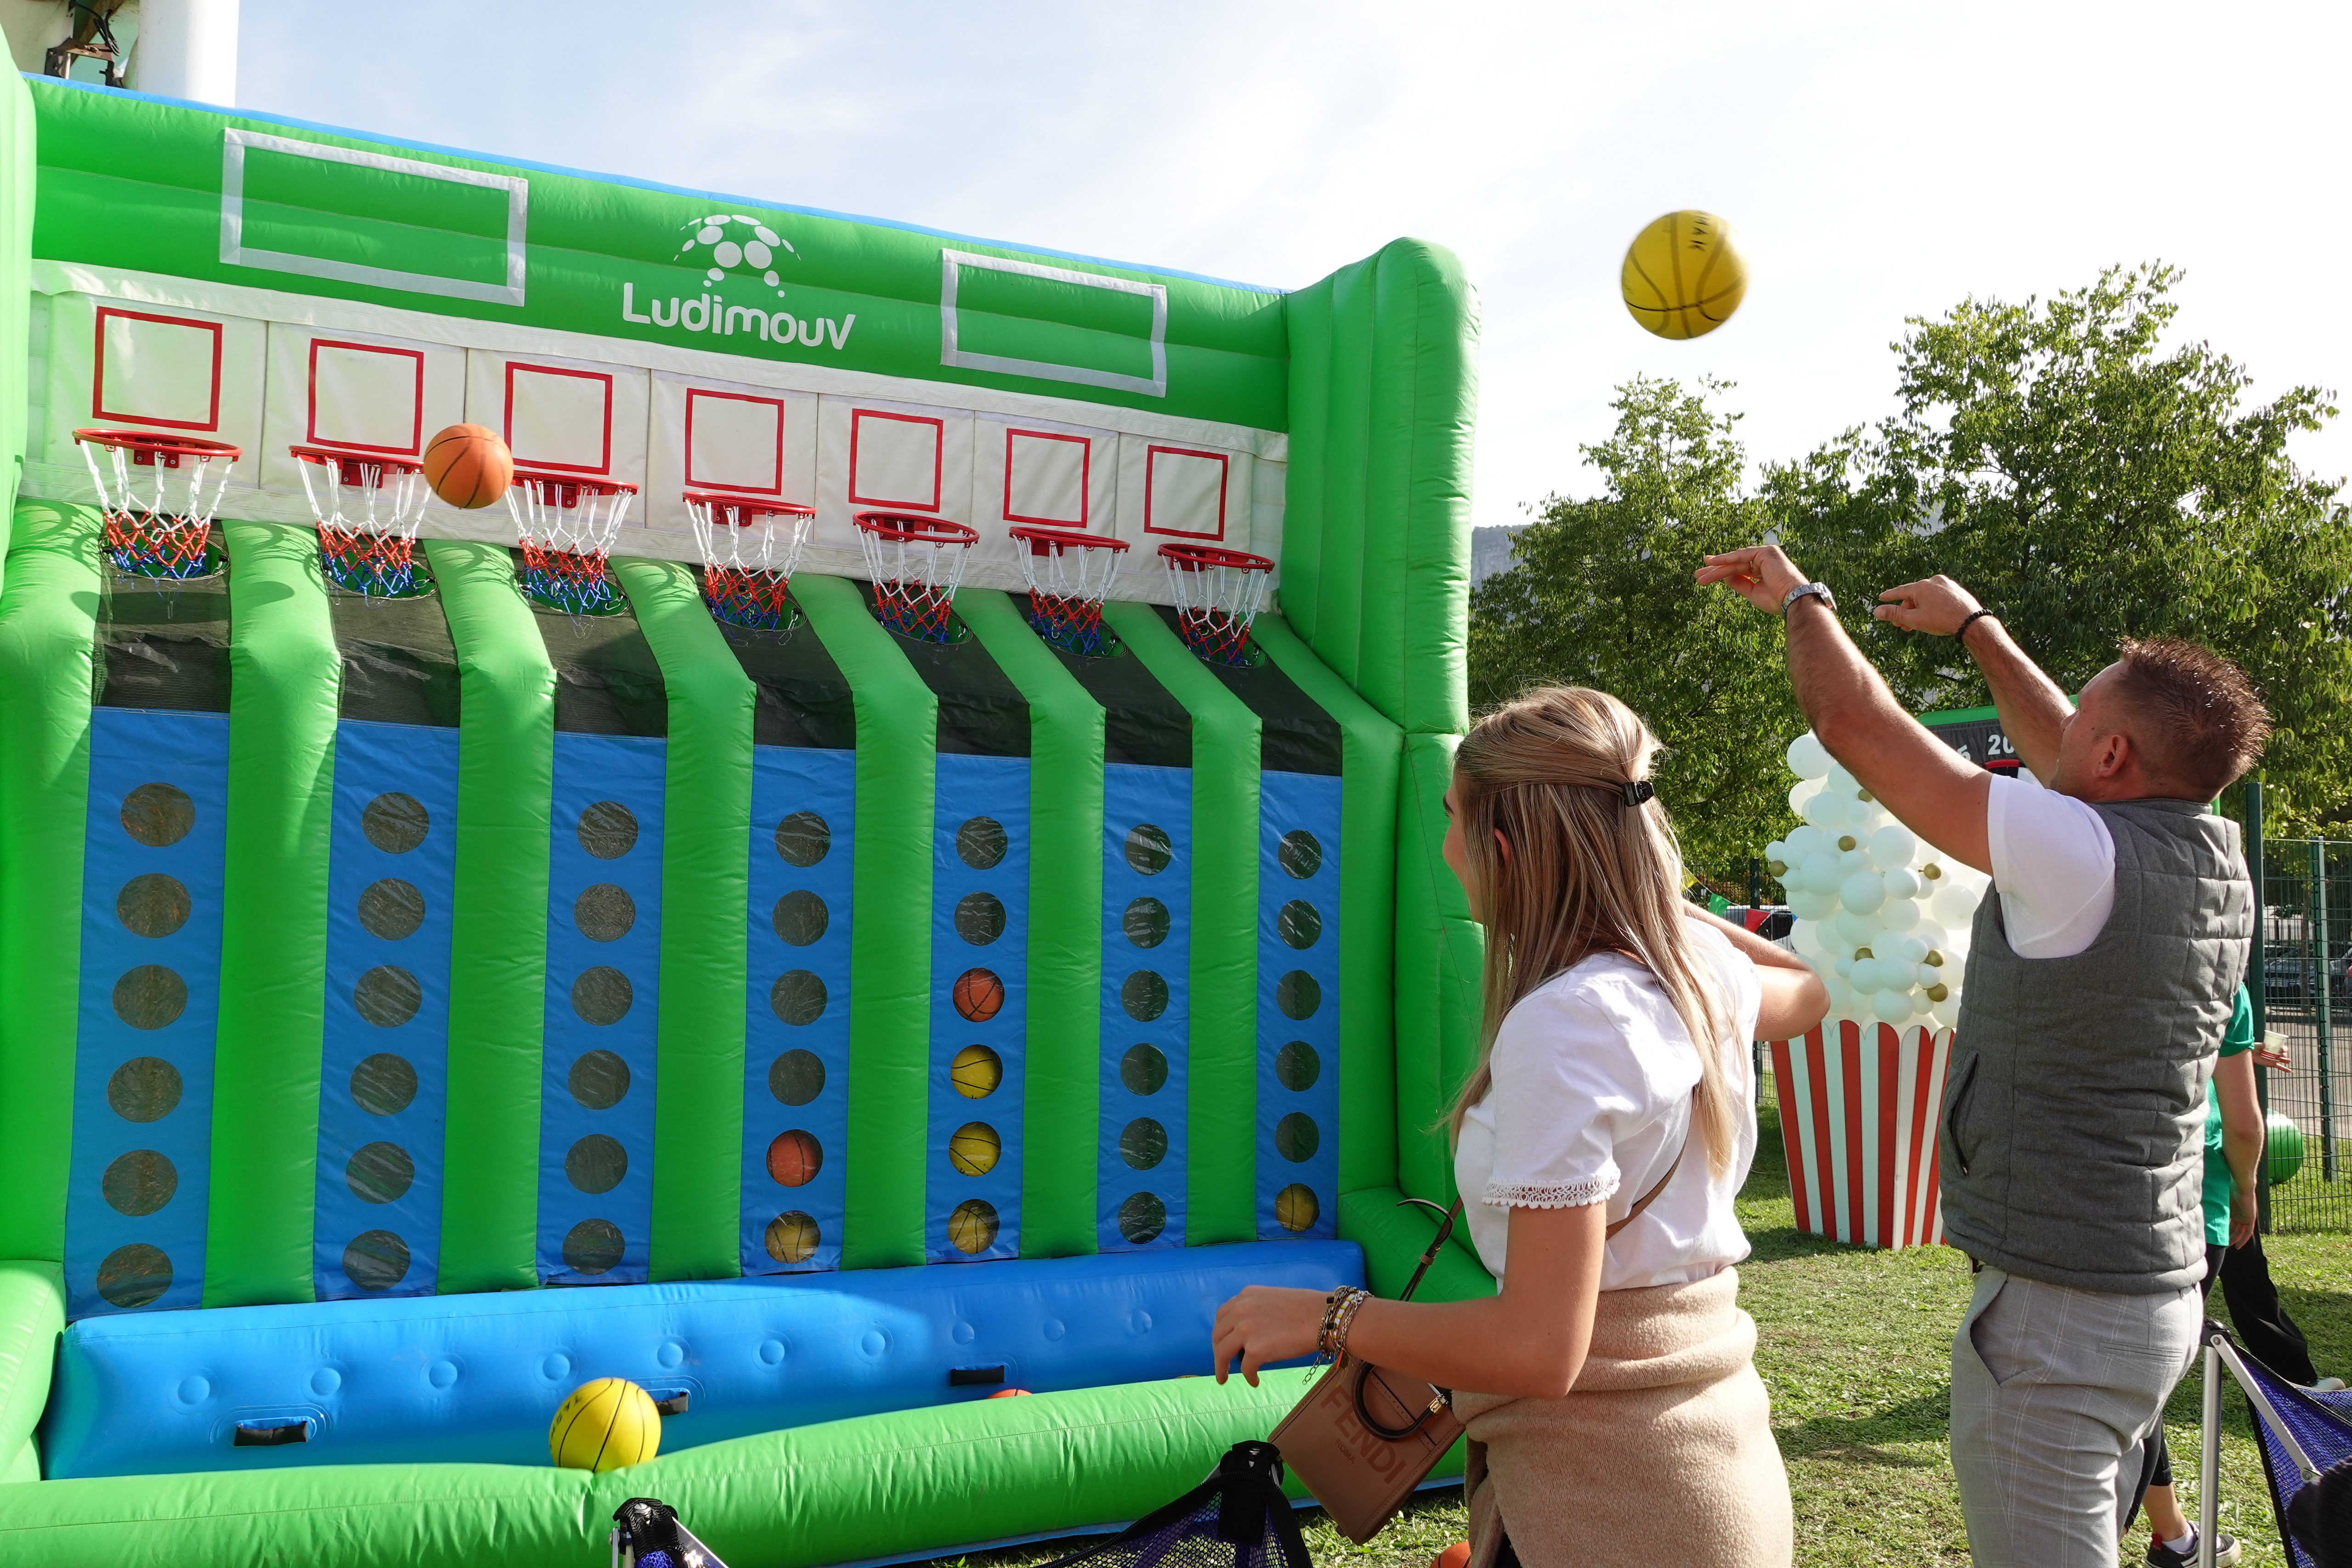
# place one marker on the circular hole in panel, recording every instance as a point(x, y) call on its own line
point(379, 1172)
point(375, 1260)
point(158, 816)
point(607, 830)
point(799, 917)
point(974, 1148)
point(150, 996)
point(795, 1158)
point(395, 823)
point(1145, 923)
point(133, 1276)
point(796, 1077)
point(1143, 1143)
point(1300, 854)
point(1295, 1208)
point(598, 1080)
point(602, 995)
point(793, 1237)
point(387, 995)
point(979, 918)
point(1295, 1137)
point(972, 1228)
point(1148, 850)
point(143, 1088)
point(1143, 1069)
point(976, 1071)
point(802, 838)
point(797, 997)
point(138, 1183)
point(596, 1164)
point(1300, 923)
point(979, 996)
point(1144, 995)
point(1142, 1219)
point(982, 842)
point(391, 908)
point(603, 913)
point(1296, 1066)
point(1298, 994)
point(593, 1247)
point(383, 1084)
point(153, 904)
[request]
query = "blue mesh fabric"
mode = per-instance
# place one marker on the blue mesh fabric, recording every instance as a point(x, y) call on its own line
point(2321, 1422)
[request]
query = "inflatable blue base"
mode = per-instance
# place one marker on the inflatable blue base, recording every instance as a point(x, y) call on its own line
point(478, 1377)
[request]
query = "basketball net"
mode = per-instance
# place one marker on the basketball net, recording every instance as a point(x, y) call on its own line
point(1218, 594)
point(567, 528)
point(1069, 575)
point(749, 551)
point(367, 518)
point(915, 563)
point(146, 534)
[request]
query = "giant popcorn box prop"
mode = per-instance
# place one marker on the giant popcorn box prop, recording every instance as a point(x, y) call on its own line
point(1859, 1106)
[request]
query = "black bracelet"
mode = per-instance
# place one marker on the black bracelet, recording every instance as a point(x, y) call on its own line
point(1970, 619)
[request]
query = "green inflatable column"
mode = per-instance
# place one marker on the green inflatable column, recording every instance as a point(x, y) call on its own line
point(17, 169)
point(1062, 1091)
point(285, 684)
point(890, 936)
point(49, 627)
point(1222, 1113)
point(1439, 952)
point(497, 960)
point(706, 883)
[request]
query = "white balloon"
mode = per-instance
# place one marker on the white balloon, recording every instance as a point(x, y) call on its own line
point(1777, 850)
point(1844, 967)
point(1862, 891)
point(1821, 872)
point(1807, 905)
point(1802, 792)
point(1898, 915)
point(1935, 937)
point(1823, 810)
point(1802, 840)
point(1856, 929)
point(1852, 860)
point(1928, 975)
point(1839, 779)
point(1902, 882)
point(1842, 998)
point(1862, 974)
point(1956, 906)
point(1909, 949)
point(1892, 1006)
point(1893, 845)
point(1807, 758)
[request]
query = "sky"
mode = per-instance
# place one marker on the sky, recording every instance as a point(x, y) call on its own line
point(1876, 161)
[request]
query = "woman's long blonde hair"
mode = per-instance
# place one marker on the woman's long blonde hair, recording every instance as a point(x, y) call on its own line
point(1587, 873)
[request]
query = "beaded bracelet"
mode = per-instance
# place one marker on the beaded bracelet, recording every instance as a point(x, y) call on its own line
point(1339, 1312)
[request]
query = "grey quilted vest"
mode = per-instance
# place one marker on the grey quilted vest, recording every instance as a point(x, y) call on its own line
point(2073, 1143)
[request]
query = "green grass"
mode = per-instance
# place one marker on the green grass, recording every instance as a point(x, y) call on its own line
point(1856, 1349)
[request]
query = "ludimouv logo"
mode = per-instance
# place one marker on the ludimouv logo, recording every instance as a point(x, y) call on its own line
point(735, 250)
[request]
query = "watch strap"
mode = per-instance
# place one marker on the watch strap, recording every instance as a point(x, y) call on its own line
point(1808, 590)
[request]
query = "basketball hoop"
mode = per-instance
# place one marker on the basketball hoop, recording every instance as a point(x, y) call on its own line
point(567, 525)
point(367, 518)
point(916, 563)
point(1068, 574)
point(1218, 594)
point(149, 536)
point(748, 550)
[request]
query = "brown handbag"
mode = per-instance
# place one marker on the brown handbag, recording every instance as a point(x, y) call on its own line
point(1365, 1437)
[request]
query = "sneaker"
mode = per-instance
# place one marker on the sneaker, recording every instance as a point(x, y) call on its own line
point(2225, 1553)
point(2327, 1385)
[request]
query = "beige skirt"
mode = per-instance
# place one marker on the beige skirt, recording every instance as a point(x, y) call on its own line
point(1662, 1454)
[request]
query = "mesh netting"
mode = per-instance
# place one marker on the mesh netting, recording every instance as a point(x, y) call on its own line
point(2320, 1423)
point(1218, 594)
point(149, 533)
point(749, 552)
point(567, 528)
point(367, 521)
point(915, 563)
point(1238, 1518)
point(1069, 575)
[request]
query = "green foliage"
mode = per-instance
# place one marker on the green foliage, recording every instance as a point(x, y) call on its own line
point(1600, 594)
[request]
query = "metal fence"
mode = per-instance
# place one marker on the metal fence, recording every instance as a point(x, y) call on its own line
point(2302, 954)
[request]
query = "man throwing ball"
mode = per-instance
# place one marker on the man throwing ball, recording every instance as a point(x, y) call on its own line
point(2099, 983)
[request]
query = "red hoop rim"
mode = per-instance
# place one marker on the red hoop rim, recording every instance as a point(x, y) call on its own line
point(1041, 539)
point(904, 528)
point(590, 484)
point(322, 455)
point(751, 506)
point(159, 444)
point(1202, 557)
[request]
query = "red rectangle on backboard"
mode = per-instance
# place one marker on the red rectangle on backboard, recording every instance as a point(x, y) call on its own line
point(1086, 475)
point(98, 407)
point(775, 484)
point(1179, 458)
point(416, 417)
point(579, 437)
point(893, 440)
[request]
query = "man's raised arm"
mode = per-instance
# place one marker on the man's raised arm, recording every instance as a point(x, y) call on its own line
point(2033, 709)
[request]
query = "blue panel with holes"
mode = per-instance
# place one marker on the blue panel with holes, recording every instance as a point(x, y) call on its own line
point(603, 968)
point(1146, 1006)
point(980, 984)
point(152, 866)
point(383, 1081)
point(796, 1029)
point(1299, 1005)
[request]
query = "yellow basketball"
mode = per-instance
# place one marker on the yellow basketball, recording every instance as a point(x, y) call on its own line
point(975, 1149)
point(971, 1230)
point(976, 1072)
point(1295, 1208)
point(604, 1425)
point(1683, 275)
point(793, 1237)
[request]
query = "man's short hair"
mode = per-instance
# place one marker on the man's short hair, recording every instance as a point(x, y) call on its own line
point(2197, 719)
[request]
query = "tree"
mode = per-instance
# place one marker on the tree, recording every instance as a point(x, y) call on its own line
point(1599, 594)
point(2091, 485)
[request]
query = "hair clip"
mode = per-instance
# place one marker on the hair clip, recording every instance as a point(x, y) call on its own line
point(1637, 791)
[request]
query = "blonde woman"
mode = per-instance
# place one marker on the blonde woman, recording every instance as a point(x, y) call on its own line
point(1613, 1411)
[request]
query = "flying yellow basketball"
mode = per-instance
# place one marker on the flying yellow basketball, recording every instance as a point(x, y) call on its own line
point(604, 1425)
point(1683, 275)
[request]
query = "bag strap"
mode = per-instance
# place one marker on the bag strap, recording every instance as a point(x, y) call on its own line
point(1635, 1212)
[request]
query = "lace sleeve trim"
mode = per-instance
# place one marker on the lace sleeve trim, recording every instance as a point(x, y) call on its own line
point(1567, 1196)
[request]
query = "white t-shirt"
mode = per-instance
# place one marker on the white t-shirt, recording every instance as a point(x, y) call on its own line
point(1591, 1100)
point(2054, 863)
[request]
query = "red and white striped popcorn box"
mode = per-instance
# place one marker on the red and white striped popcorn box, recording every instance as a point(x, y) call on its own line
point(1858, 1109)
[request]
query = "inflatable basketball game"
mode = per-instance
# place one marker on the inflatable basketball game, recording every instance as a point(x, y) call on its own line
point(891, 859)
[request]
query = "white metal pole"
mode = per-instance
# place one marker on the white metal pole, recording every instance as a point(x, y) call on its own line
point(186, 48)
point(2209, 1462)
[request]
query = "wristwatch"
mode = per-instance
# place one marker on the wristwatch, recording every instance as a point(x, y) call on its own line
point(1801, 590)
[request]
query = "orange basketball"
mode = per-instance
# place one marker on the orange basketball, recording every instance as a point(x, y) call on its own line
point(795, 1158)
point(978, 994)
point(468, 466)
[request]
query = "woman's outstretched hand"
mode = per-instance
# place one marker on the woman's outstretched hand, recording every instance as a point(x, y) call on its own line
point(1264, 1323)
